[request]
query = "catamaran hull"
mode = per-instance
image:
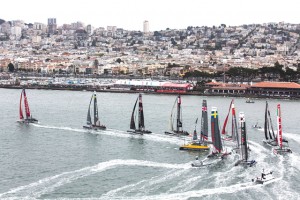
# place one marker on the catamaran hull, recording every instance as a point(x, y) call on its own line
point(183, 133)
point(139, 132)
point(282, 151)
point(245, 163)
point(28, 121)
point(194, 147)
point(95, 127)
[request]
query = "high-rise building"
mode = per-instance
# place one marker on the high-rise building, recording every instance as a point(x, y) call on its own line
point(146, 27)
point(52, 26)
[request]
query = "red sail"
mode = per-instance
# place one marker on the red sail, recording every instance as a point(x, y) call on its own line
point(26, 105)
point(279, 126)
point(226, 120)
point(20, 109)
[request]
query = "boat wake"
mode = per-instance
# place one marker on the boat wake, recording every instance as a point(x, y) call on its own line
point(59, 128)
point(292, 136)
point(117, 133)
point(49, 184)
point(200, 193)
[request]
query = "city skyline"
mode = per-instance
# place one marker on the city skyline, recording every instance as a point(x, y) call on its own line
point(131, 14)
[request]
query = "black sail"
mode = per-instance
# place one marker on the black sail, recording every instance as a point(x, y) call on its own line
point(244, 145)
point(179, 122)
point(88, 118)
point(215, 131)
point(96, 117)
point(271, 131)
point(141, 114)
point(266, 127)
point(132, 122)
point(204, 121)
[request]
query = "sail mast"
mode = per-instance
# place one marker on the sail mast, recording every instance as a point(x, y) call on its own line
point(96, 117)
point(244, 146)
point(204, 122)
point(215, 131)
point(27, 110)
point(132, 122)
point(235, 135)
point(266, 127)
point(179, 123)
point(195, 137)
point(20, 109)
point(171, 117)
point(279, 127)
point(226, 119)
point(271, 132)
point(141, 114)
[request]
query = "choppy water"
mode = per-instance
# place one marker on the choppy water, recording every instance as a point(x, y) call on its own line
point(57, 159)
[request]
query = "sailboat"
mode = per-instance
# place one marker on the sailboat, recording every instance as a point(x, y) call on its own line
point(200, 144)
point(217, 152)
point(178, 131)
point(270, 138)
point(244, 146)
point(249, 101)
point(140, 116)
point(234, 136)
point(93, 124)
point(28, 117)
point(280, 149)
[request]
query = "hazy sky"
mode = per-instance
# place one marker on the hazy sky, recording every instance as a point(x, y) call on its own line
point(161, 14)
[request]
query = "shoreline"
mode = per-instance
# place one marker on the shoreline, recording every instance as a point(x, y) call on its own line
point(194, 93)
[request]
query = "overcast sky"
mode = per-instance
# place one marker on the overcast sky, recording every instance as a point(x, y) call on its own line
point(161, 14)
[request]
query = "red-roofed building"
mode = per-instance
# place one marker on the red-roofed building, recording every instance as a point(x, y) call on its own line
point(280, 89)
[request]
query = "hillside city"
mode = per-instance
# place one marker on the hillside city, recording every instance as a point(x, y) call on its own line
point(82, 49)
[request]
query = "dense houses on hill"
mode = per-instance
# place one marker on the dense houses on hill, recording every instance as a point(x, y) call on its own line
point(82, 49)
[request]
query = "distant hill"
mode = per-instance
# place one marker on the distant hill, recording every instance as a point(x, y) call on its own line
point(2, 21)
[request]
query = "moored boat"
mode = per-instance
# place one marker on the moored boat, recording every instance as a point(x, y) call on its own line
point(249, 101)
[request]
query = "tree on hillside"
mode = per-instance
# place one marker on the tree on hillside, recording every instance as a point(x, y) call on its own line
point(119, 60)
point(2, 21)
point(11, 67)
point(96, 63)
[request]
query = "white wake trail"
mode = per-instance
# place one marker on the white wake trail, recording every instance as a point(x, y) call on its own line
point(122, 134)
point(49, 184)
point(200, 193)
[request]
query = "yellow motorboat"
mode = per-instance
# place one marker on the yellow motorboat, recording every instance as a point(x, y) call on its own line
point(194, 147)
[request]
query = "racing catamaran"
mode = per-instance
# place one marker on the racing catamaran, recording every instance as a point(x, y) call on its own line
point(280, 149)
point(28, 117)
point(140, 116)
point(94, 125)
point(234, 136)
point(270, 138)
point(218, 152)
point(178, 131)
point(200, 144)
point(244, 153)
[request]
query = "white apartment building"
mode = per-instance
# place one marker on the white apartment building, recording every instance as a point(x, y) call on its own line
point(16, 31)
point(146, 27)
